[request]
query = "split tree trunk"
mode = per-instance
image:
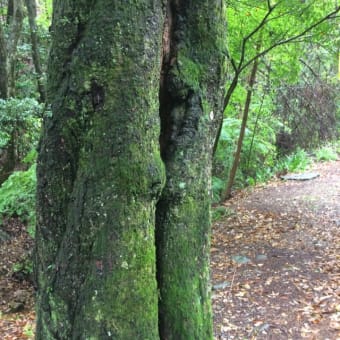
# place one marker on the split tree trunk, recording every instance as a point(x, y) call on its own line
point(101, 170)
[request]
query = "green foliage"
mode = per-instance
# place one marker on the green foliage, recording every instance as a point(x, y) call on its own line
point(29, 331)
point(297, 161)
point(26, 77)
point(17, 196)
point(217, 187)
point(326, 153)
point(224, 155)
point(264, 28)
point(45, 14)
point(258, 151)
point(20, 124)
point(337, 147)
point(253, 22)
point(220, 212)
point(25, 267)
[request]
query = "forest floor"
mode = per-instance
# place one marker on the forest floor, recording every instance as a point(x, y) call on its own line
point(276, 261)
point(275, 264)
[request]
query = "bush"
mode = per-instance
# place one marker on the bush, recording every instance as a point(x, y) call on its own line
point(327, 153)
point(257, 156)
point(20, 122)
point(17, 197)
point(297, 161)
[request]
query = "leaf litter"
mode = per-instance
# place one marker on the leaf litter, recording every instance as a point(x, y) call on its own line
point(276, 261)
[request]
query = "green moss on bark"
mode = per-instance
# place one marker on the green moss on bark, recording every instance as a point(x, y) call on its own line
point(190, 111)
point(100, 174)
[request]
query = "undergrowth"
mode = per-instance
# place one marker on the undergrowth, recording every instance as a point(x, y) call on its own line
point(297, 161)
point(17, 197)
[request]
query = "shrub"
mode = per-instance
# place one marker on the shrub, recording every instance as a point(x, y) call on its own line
point(297, 161)
point(17, 197)
point(327, 153)
point(20, 121)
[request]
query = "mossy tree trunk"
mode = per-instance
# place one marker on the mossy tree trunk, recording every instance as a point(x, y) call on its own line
point(100, 173)
point(136, 95)
point(191, 101)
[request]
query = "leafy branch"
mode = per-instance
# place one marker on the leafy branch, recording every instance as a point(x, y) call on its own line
point(294, 38)
point(242, 65)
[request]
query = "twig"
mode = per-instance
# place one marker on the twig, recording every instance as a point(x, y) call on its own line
point(231, 284)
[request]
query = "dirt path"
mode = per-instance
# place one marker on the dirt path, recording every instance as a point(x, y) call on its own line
point(276, 261)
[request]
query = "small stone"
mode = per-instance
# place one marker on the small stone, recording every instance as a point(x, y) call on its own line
point(306, 176)
point(221, 285)
point(261, 257)
point(241, 259)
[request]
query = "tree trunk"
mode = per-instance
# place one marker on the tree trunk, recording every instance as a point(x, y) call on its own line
point(10, 12)
point(101, 170)
point(191, 102)
point(100, 173)
point(32, 13)
point(3, 65)
point(227, 192)
point(7, 154)
point(15, 27)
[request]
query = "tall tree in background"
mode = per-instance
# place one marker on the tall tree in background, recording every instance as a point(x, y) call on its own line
point(105, 181)
point(8, 47)
point(32, 15)
point(3, 65)
point(15, 17)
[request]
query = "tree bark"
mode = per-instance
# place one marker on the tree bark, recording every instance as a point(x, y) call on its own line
point(10, 11)
point(32, 14)
point(191, 101)
point(136, 101)
point(15, 27)
point(3, 65)
point(7, 155)
point(100, 173)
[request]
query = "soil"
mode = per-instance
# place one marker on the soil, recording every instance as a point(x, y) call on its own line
point(275, 264)
point(16, 287)
point(275, 261)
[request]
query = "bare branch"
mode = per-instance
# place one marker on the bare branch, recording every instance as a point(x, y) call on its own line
point(309, 68)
